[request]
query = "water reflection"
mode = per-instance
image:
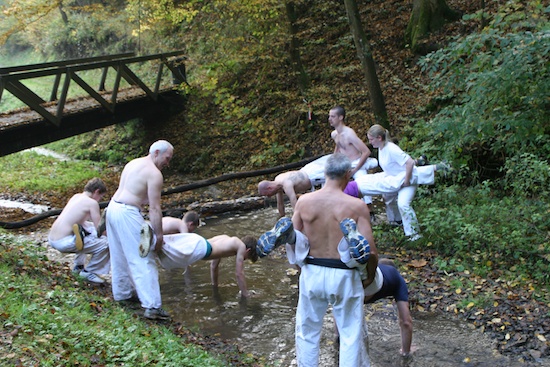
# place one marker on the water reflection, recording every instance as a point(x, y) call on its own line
point(264, 324)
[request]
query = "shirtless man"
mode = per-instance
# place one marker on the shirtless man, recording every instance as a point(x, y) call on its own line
point(326, 276)
point(75, 231)
point(188, 224)
point(292, 183)
point(348, 143)
point(182, 250)
point(140, 184)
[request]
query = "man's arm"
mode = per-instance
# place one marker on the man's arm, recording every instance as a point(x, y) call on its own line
point(239, 272)
point(280, 203)
point(409, 165)
point(406, 326)
point(363, 225)
point(214, 271)
point(95, 215)
point(362, 147)
point(288, 188)
point(154, 187)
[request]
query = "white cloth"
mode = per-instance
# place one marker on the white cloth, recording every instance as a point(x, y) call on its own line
point(382, 183)
point(181, 250)
point(370, 163)
point(342, 288)
point(98, 247)
point(315, 170)
point(129, 270)
point(398, 205)
point(376, 284)
point(297, 252)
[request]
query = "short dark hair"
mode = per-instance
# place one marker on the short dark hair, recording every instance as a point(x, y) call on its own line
point(340, 111)
point(95, 184)
point(192, 216)
point(250, 243)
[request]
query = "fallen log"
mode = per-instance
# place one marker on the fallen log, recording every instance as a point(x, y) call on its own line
point(204, 209)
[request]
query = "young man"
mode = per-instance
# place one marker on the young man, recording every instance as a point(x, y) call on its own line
point(188, 224)
point(75, 231)
point(184, 249)
point(348, 143)
point(132, 270)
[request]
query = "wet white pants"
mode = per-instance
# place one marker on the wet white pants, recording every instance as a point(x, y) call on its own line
point(130, 271)
point(342, 288)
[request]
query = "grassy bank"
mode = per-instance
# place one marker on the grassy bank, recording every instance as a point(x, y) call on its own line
point(49, 318)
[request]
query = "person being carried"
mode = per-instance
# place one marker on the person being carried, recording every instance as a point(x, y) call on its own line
point(388, 282)
point(330, 238)
point(183, 249)
point(293, 182)
point(188, 224)
point(133, 265)
point(75, 231)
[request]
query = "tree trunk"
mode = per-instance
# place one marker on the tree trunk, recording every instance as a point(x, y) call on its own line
point(367, 62)
point(295, 57)
point(427, 16)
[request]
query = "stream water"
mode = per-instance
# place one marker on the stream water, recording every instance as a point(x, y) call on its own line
point(264, 324)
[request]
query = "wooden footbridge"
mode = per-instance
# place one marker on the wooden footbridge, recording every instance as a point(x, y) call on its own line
point(61, 116)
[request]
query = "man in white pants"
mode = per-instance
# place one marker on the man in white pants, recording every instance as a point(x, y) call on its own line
point(140, 184)
point(328, 274)
point(348, 143)
point(75, 231)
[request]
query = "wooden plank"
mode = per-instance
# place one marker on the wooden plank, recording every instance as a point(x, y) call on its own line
point(46, 65)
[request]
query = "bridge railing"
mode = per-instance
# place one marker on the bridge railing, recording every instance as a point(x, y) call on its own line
point(11, 77)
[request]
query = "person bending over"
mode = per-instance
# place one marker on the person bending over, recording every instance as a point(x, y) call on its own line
point(76, 231)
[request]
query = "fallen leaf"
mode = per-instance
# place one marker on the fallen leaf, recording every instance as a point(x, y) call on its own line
point(418, 263)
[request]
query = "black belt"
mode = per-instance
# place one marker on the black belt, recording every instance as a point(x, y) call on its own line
point(328, 263)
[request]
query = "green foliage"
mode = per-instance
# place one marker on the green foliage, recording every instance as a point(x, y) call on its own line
point(32, 172)
point(500, 88)
point(475, 226)
point(55, 323)
point(117, 144)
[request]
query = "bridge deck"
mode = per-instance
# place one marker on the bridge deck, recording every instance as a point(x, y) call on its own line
point(46, 121)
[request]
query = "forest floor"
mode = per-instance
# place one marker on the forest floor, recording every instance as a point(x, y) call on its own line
point(515, 316)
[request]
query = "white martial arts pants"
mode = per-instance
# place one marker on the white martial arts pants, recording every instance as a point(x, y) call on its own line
point(129, 270)
point(342, 288)
point(370, 163)
point(98, 247)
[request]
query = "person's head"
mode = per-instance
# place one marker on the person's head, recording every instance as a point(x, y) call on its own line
point(336, 116)
point(378, 136)
point(191, 220)
point(338, 167)
point(267, 188)
point(250, 243)
point(96, 187)
point(161, 151)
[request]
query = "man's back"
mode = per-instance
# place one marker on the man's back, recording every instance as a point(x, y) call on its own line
point(320, 214)
point(77, 210)
point(134, 181)
point(225, 246)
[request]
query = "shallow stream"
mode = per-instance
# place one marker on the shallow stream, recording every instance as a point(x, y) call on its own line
point(264, 324)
